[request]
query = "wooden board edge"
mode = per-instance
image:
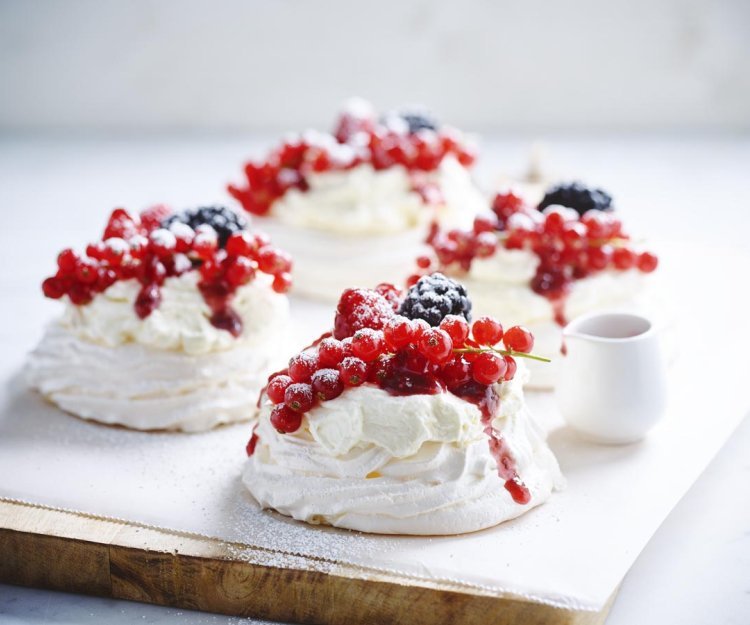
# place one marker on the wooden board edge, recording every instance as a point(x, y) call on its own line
point(59, 550)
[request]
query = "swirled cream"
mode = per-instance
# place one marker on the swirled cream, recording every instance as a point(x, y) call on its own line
point(415, 464)
point(499, 287)
point(171, 370)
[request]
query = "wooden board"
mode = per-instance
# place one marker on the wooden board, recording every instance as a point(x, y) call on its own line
point(48, 548)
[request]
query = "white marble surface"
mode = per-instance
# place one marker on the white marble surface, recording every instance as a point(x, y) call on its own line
point(695, 570)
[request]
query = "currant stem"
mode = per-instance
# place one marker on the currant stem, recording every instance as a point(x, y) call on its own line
point(502, 352)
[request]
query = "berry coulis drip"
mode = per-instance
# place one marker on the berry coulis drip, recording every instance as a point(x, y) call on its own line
point(410, 140)
point(159, 244)
point(572, 232)
point(418, 344)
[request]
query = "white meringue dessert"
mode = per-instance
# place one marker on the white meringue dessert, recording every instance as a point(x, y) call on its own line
point(355, 206)
point(171, 347)
point(403, 452)
point(518, 269)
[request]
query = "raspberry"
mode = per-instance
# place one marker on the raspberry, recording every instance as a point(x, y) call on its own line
point(433, 298)
point(327, 384)
point(152, 217)
point(390, 293)
point(358, 309)
point(578, 197)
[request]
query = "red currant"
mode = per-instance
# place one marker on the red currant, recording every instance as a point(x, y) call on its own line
point(241, 244)
point(273, 261)
point(368, 344)
point(54, 288)
point(285, 420)
point(512, 367)
point(487, 331)
point(518, 339)
point(302, 366)
point(241, 270)
point(299, 397)
point(424, 262)
point(456, 372)
point(435, 345)
point(647, 262)
point(457, 328)
point(353, 371)
point(623, 258)
point(398, 332)
point(488, 368)
point(282, 282)
point(277, 386)
point(330, 352)
point(327, 384)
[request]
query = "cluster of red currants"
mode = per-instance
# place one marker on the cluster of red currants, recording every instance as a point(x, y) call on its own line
point(400, 355)
point(569, 246)
point(357, 139)
point(138, 247)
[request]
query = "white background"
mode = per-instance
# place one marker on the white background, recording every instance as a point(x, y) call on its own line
point(280, 64)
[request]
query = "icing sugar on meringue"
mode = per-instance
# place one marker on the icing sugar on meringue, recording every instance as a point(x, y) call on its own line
point(415, 464)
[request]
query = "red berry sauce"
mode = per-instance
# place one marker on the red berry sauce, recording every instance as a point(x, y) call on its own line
point(359, 137)
point(136, 247)
point(374, 345)
point(569, 247)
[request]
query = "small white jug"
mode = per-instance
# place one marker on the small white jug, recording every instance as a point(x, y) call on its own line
point(612, 386)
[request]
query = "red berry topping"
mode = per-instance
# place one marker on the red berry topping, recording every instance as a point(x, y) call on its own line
point(435, 345)
point(358, 309)
point(282, 282)
point(67, 261)
point(487, 331)
point(302, 366)
point(277, 387)
point(240, 271)
point(353, 371)
point(456, 372)
point(330, 352)
point(148, 299)
point(299, 397)
point(624, 258)
point(457, 328)
point(241, 244)
point(488, 368)
point(273, 261)
point(327, 384)
point(647, 262)
point(54, 288)
point(368, 344)
point(285, 420)
point(518, 339)
point(398, 332)
point(512, 367)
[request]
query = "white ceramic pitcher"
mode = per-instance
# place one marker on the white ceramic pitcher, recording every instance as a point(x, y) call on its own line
point(612, 386)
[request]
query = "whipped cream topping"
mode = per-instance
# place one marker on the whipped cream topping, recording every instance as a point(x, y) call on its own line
point(415, 464)
point(363, 200)
point(181, 322)
point(149, 389)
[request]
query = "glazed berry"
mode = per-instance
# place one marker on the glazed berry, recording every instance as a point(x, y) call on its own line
point(302, 366)
point(327, 384)
point(282, 282)
point(624, 258)
point(578, 197)
point(487, 331)
point(299, 397)
point(457, 328)
point(330, 352)
point(398, 332)
point(512, 367)
point(433, 298)
point(358, 309)
point(647, 262)
point(284, 420)
point(435, 345)
point(353, 371)
point(225, 222)
point(368, 344)
point(456, 372)
point(277, 387)
point(488, 368)
point(518, 339)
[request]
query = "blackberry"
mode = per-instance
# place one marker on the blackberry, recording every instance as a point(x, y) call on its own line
point(415, 120)
point(224, 221)
point(577, 196)
point(433, 298)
